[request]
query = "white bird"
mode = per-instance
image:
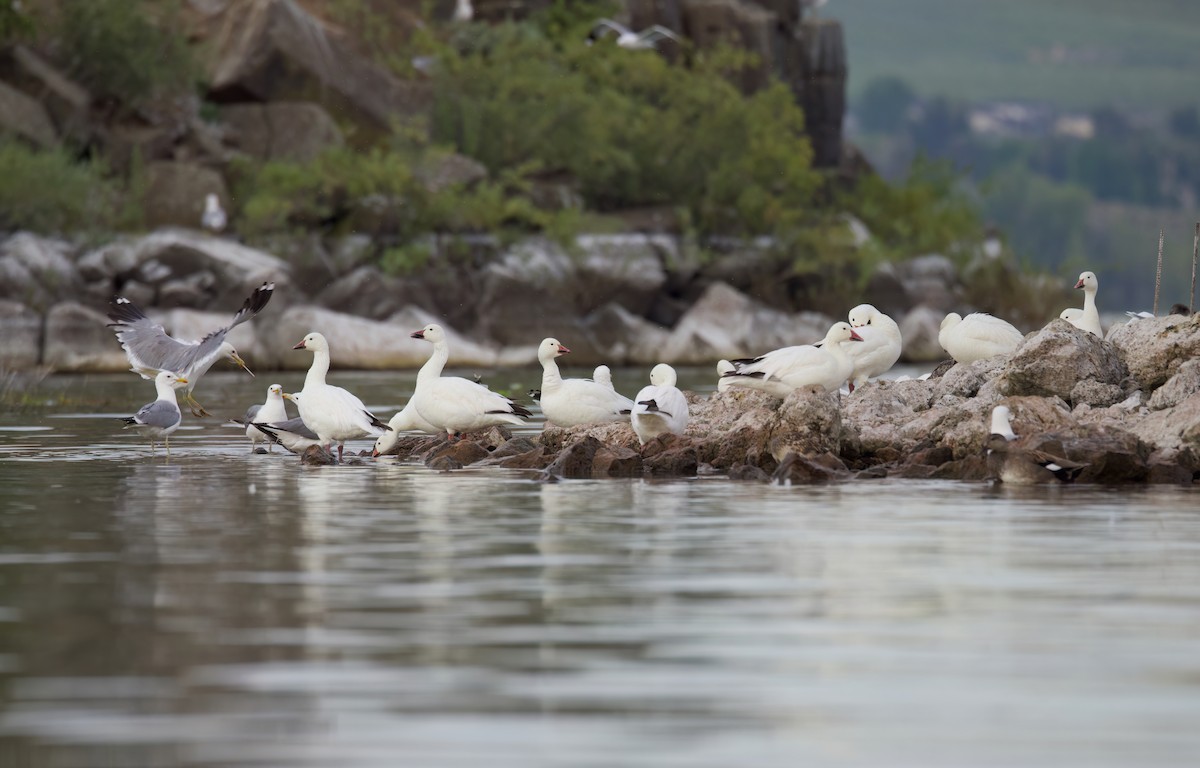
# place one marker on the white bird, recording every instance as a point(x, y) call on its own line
point(271, 410)
point(455, 404)
point(1143, 315)
point(331, 412)
point(213, 219)
point(292, 434)
point(1011, 463)
point(151, 350)
point(645, 40)
point(570, 402)
point(881, 344)
point(463, 11)
point(977, 336)
point(724, 367)
point(603, 375)
point(1071, 314)
point(161, 417)
point(785, 370)
point(660, 408)
point(405, 420)
point(1090, 319)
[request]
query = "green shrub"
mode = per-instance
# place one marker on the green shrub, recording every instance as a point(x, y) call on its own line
point(46, 191)
point(129, 50)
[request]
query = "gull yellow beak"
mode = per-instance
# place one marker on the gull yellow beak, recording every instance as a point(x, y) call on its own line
point(288, 396)
point(235, 357)
point(180, 380)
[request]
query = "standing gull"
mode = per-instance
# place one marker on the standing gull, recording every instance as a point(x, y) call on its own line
point(271, 410)
point(151, 350)
point(161, 417)
point(332, 412)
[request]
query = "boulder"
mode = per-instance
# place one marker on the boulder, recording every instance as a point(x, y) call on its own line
point(38, 271)
point(797, 469)
point(876, 413)
point(962, 381)
point(78, 339)
point(1155, 348)
point(671, 457)
point(1172, 429)
point(615, 336)
point(748, 473)
point(616, 461)
point(449, 170)
point(21, 341)
point(1052, 361)
point(25, 118)
point(576, 459)
point(460, 452)
point(725, 323)
point(809, 421)
point(1096, 394)
point(367, 292)
point(919, 329)
point(284, 130)
point(175, 192)
point(1181, 386)
point(65, 101)
point(931, 281)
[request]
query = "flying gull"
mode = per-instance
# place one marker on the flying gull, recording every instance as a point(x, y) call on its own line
point(645, 40)
point(151, 350)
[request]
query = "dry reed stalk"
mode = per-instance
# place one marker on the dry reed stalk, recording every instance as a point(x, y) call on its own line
point(1158, 273)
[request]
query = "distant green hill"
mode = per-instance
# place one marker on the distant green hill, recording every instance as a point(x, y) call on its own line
point(1074, 53)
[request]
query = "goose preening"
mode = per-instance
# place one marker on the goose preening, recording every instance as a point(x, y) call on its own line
point(161, 417)
point(1011, 463)
point(331, 412)
point(405, 420)
point(645, 40)
point(724, 367)
point(782, 371)
point(570, 402)
point(603, 375)
point(977, 336)
point(213, 219)
point(151, 350)
point(272, 409)
point(1089, 317)
point(660, 408)
point(880, 348)
point(455, 404)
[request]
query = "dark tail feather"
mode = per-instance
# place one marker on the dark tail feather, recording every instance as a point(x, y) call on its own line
point(755, 375)
point(1065, 474)
point(128, 420)
point(375, 422)
point(272, 434)
point(651, 404)
point(122, 310)
point(521, 410)
point(254, 303)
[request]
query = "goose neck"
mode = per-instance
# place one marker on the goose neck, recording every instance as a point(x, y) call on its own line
point(318, 369)
point(436, 362)
point(551, 378)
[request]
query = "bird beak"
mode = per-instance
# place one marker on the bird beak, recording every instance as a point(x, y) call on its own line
point(180, 380)
point(300, 345)
point(854, 336)
point(374, 454)
point(562, 350)
point(1079, 284)
point(287, 396)
point(417, 335)
point(235, 357)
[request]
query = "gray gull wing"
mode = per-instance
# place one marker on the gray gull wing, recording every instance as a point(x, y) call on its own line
point(160, 414)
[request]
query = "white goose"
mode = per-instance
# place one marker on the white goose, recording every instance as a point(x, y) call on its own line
point(456, 404)
point(1071, 315)
point(1089, 319)
point(724, 367)
point(881, 344)
point(603, 375)
point(782, 371)
point(406, 420)
point(570, 402)
point(660, 408)
point(332, 412)
point(977, 336)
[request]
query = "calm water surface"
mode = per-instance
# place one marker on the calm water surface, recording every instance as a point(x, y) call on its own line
point(232, 609)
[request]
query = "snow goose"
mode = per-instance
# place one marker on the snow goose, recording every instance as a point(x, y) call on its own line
point(151, 350)
point(272, 409)
point(570, 402)
point(977, 336)
point(406, 420)
point(782, 371)
point(881, 344)
point(455, 404)
point(161, 417)
point(645, 40)
point(660, 408)
point(1010, 463)
point(331, 412)
point(603, 375)
point(1071, 314)
point(1089, 319)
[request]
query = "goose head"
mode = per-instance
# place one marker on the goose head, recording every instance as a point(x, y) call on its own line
point(663, 375)
point(1088, 282)
point(550, 349)
point(1071, 314)
point(951, 320)
point(862, 315)
point(432, 333)
point(313, 342)
point(840, 332)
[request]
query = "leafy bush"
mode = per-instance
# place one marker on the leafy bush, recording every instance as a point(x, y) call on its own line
point(130, 50)
point(49, 192)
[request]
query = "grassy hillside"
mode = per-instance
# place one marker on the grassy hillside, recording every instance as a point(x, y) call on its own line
point(1076, 53)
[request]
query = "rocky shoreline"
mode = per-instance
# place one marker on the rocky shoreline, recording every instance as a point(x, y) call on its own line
point(1128, 408)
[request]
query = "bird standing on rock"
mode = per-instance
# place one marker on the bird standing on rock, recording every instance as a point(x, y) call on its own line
point(977, 336)
point(332, 412)
point(880, 348)
point(1089, 319)
point(571, 402)
point(783, 371)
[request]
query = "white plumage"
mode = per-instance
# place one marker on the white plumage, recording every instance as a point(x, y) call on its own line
point(213, 219)
point(880, 348)
point(977, 336)
point(455, 404)
point(332, 412)
point(660, 408)
point(161, 417)
point(1071, 315)
point(603, 375)
point(1089, 319)
point(785, 370)
point(272, 409)
point(570, 402)
point(405, 420)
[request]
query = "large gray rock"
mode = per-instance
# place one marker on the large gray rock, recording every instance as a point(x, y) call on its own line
point(25, 118)
point(931, 281)
point(21, 339)
point(1173, 429)
point(1155, 348)
point(1181, 386)
point(875, 413)
point(367, 292)
point(37, 271)
point(175, 193)
point(919, 329)
point(65, 101)
point(725, 323)
point(78, 339)
point(296, 130)
point(616, 336)
point(1052, 361)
